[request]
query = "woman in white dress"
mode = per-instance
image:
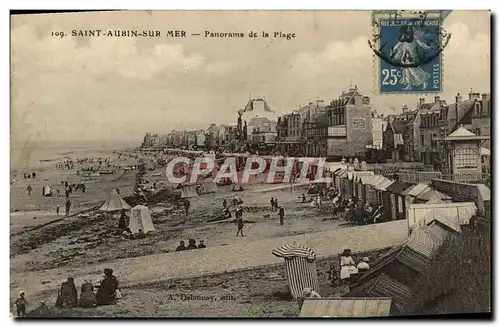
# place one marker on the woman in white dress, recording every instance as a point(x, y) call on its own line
point(347, 265)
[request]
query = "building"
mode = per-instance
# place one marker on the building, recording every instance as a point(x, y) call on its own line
point(430, 131)
point(393, 137)
point(473, 114)
point(294, 128)
point(212, 136)
point(349, 124)
point(150, 141)
point(256, 108)
point(316, 136)
point(463, 156)
point(377, 131)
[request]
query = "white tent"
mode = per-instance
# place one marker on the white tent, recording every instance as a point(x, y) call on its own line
point(140, 218)
point(114, 203)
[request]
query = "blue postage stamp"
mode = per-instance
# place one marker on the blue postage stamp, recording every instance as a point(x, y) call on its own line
point(409, 51)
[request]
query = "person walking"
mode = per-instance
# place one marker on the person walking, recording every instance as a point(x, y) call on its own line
point(240, 226)
point(68, 206)
point(29, 189)
point(187, 205)
point(282, 215)
point(57, 209)
point(272, 203)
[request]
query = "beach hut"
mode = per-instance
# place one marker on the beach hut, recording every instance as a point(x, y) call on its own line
point(140, 218)
point(189, 191)
point(209, 187)
point(397, 199)
point(433, 196)
point(114, 203)
point(300, 263)
point(451, 214)
point(383, 197)
point(337, 175)
point(346, 307)
point(360, 179)
point(370, 192)
point(385, 286)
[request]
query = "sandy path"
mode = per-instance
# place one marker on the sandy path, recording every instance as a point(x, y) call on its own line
point(240, 255)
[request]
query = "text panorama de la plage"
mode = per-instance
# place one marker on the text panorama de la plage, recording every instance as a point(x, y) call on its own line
point(176, 34)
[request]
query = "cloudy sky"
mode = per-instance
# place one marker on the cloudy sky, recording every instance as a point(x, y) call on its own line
point(76, 88)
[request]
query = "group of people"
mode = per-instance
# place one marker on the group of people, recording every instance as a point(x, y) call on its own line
point(191, 246)
point(281, 211)
point(107, 292)
point(29, 175)
point(362, 214)
point(349, 268)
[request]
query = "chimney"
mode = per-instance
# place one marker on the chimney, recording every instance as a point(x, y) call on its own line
point(358, 99)
point(421, 102)
point(442, 103)
point(473, 95)
point(458, 98)
point(405, 109)
point(436, 99)
point(485, 97)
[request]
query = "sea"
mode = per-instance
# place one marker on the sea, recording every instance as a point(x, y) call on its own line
point(34, 154)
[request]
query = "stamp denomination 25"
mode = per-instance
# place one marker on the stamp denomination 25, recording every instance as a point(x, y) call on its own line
point(409, 49)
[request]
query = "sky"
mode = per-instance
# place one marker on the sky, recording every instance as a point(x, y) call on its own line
point(116, 89)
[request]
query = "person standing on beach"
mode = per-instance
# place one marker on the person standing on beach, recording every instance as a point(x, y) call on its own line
point(29, 189)
point(240, 226)
point(272, 203)
point(21, 304)
point(187, 205)
point(68, 206)
point(282, 215)
point(57, 209)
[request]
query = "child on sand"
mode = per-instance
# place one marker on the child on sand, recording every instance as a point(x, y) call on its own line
point(21, 304)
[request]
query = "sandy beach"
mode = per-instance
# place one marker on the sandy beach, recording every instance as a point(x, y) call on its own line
point(41, 240)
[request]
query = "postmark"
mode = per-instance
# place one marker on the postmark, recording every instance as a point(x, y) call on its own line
point(408, 49)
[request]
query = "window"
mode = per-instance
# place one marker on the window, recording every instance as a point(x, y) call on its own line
point(466, 158)
point(422, 139)
point(476, 108)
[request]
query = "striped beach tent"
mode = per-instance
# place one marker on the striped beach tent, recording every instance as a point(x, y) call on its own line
point(300, 263)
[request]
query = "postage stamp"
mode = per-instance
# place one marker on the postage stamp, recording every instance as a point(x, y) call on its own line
point(409, 51)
